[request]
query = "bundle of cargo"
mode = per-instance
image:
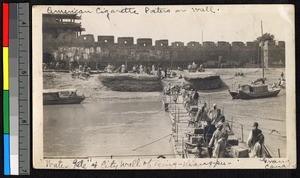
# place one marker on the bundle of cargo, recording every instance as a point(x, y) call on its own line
point(202, 81)
point(131, 82)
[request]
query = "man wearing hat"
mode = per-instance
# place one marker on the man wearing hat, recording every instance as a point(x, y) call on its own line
point(253, 135)
point(209, 130)
point(213, 112)
point(220, 147)
point(257, 151)
point(215, 137)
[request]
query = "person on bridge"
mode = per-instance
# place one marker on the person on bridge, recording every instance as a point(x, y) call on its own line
point(209, 130)
point(257, 151)
point(196, 97)
point(220, 147)
point(253, 135)
point(215, 138)
point(226, 127)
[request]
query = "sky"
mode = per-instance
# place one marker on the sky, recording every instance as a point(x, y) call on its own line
point(228, 23)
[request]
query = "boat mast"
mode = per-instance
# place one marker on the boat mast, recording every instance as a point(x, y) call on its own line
point(202, 37)
point(262, 54)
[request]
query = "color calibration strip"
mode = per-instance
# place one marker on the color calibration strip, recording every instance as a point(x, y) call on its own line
point(16, 84)
point(6, 128)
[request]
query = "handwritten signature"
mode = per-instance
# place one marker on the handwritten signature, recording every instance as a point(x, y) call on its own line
point(275, 163)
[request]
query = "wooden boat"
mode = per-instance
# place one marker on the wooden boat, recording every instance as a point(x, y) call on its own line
point(64, 96)
point(254, 91)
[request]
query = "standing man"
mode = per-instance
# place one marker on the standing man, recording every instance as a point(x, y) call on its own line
point(196, 97)
point(209, 130)
point(257, 151)
point(215, 138)
point(220, 147)
point(253, 135)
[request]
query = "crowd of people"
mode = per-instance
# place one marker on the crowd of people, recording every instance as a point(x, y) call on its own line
point(216, 137)
point(216, 128)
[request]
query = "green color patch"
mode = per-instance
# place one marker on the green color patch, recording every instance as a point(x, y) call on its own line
point(6, 111)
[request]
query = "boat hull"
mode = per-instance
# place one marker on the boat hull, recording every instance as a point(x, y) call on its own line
point(234, 94)
point(76, 100)
point(245, 95)
point(202, 81)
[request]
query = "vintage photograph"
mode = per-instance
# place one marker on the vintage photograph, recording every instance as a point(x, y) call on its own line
point(164, 83)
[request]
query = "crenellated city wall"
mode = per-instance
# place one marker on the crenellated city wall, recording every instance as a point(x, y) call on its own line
point(145, 51)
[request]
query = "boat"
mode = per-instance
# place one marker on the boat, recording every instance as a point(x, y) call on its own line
point(63, 96)
point(202, 81)
point(131, 82)
point(256, 89)
point(253, 91)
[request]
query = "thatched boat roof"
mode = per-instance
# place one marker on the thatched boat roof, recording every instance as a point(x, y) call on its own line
point(128, 76)
point(200, 76)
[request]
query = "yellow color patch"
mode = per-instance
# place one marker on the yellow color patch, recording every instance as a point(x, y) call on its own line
point(5, 69)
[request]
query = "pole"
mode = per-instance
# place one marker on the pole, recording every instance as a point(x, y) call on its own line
point(242, 133)
point(182, 148)
point(279, 153)
point(262, 30)
point(231, 121)
point(177, 131)
point(262, 53)
point(202, 37)
point(175, 113)
point(178, 114)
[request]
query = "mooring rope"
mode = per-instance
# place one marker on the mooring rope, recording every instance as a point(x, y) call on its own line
point(151, 142)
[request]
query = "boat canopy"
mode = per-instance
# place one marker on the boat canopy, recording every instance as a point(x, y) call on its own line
point(255, 88)
point(259, 88)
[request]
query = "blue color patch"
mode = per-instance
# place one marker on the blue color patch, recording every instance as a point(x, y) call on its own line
point(6, 154)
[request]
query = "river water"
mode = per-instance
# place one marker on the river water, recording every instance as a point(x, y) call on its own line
point(121, 129)
point(130, 128)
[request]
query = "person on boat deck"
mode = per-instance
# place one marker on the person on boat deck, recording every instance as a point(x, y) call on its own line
point(202, 114)
point(213, 109)
point(196, 97)
point(123, 68)
point(134, 69)
point(159, 73)
point(281, 81)
point(153, 68)
point(257, 151)
point(169, 88)
point(192, 97)
point(253, 135)
point(189, 67)
point(275, 85)
point(183, 93)
point(166, 73)
point(175, 96)
point(141, 69)
point(216, 136)
point(109, 68)
point(216, 116)
point(209, 130)
point(187, 101)
point(220, 147)
point(226, 127)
